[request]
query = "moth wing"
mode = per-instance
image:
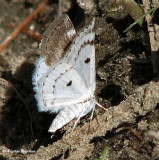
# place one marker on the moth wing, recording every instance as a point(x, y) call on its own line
point(81, 55)
point(56, 39)
point(60, 87)
point(40, 69)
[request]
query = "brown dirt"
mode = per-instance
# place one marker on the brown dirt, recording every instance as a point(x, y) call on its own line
point(125, 86)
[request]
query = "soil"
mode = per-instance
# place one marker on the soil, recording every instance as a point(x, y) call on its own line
point(125, 86)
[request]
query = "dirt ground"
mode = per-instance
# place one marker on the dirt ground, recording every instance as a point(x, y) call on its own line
point(125, 86)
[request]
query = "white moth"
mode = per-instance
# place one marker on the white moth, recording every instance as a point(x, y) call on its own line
point(64, 77)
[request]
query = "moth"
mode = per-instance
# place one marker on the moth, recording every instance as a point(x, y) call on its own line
point(64, 76)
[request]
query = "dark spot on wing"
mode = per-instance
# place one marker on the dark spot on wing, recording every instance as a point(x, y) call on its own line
point(69, 83)
point(87, 60)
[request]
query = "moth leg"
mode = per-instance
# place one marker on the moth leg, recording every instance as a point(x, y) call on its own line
point(80, 115)
point(91, 117)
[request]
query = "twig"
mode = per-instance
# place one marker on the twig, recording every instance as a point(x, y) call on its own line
point(34, 35)
point(22, 25)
